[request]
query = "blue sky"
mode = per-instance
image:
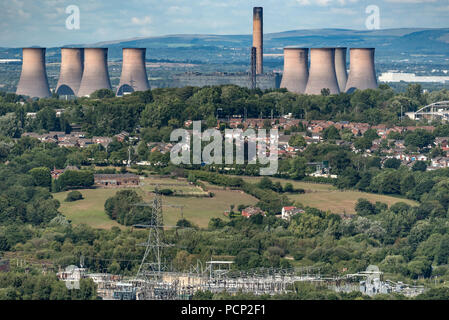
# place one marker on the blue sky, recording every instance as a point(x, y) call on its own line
point(43, 22)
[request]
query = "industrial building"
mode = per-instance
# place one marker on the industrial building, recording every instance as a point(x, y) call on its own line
point(322, 71)
point(71, 71)
point(411, 77)
point(95, 75)
point(134, 75)
point(242, 79)
point(296, 69)
point(362, 72)
point(33, 79)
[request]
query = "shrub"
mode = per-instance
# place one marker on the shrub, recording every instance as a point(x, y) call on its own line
point(166, 192)
point(73, 196)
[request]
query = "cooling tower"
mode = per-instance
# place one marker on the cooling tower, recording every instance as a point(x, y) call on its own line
point(134, 74)
point(322, 71)
point(362, 72)
point(340, 68)
point(258, 37)
point(296, 73)
point(71, 71)
point(33, 79)
point(95, 75)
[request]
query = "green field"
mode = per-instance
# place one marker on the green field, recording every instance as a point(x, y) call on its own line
point(198, 210)
point(327, 197)
point(90, 210)
point(342, 201)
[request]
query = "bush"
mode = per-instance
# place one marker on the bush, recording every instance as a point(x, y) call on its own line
point(73, 196)
point(166, 192)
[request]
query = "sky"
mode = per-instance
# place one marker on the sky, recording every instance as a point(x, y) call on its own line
point(43, 22)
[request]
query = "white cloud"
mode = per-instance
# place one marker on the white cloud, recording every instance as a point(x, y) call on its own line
point(175, 10)
point(324, 3)
point(141, 21)
point(410, 1)
point(344, 11)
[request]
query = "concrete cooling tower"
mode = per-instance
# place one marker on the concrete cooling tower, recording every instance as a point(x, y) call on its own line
point(134, 75)
point(362, 72)
point(71, 71)
point(33, 79)
point(322, 71)
point(296, 69)
point(258, 37)
point(340, 68)
point(95, 75)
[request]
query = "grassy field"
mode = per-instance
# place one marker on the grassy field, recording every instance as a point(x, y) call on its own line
point(327, 197)
point(308, 186)
point(198, 210)
point(342, 201)
point(90, 210)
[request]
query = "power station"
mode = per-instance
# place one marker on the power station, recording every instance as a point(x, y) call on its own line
point(134, 75)
point(71, 71)
point(362, 72)
point(95, 75)
point(258, 37)
point(340, 68)
point(322, 71)
point(296, 69)
point(33, 78)
point(84, 71)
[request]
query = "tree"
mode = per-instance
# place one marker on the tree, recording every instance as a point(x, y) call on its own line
point(41, 177)
point(392, 163)
point(419, 138)
point(331, 133)
point(298, 166)
point(73, 196)
point(297, 140)
point(102, 94)
point(363, 144)
point(364, 208)
point(74, 179)
point(122, 207)
point(265, 183)
point(419, 166)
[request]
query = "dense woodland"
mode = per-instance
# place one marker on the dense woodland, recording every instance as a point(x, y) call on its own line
point(408, 243)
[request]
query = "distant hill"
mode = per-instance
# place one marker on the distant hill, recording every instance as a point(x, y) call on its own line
point(208, 48)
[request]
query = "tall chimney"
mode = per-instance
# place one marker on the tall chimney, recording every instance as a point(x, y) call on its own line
point(362, 72)
point(71, 71)
point(322, 71)
point(95, 75)
point(296, 69)
point(134, 75)
point(258, 37)
point(33, 79)
point(340, 68)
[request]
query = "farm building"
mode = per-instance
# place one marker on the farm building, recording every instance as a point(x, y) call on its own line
point(112, 180)
point(250, 211)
